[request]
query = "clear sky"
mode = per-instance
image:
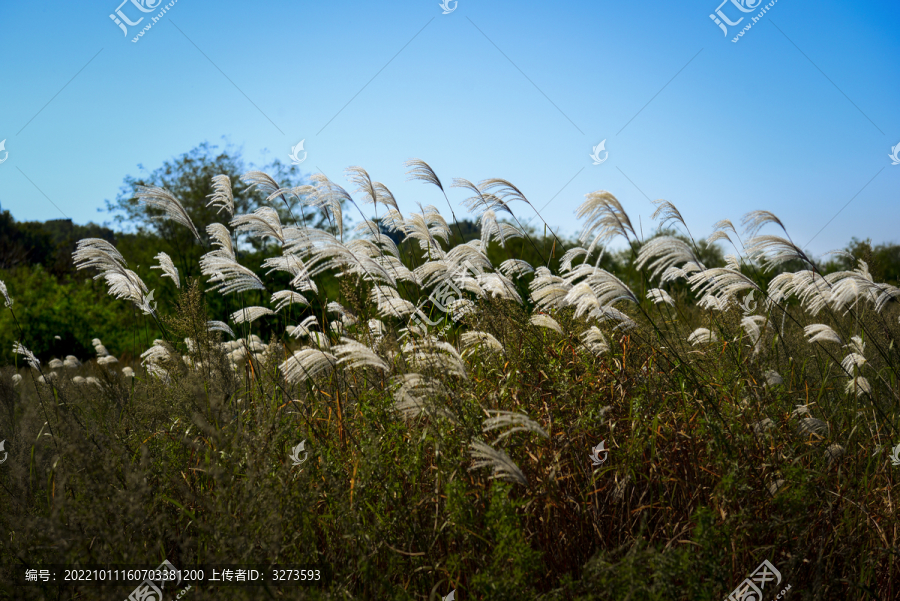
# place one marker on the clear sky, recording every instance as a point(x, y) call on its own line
point(797, 117)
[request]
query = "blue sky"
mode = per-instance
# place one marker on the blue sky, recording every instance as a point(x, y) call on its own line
point(797, 117)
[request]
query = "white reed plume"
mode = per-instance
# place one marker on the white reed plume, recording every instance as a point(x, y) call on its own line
point(5, 293)
point(856, 345)
point(153, 357)
point(548, 291)
point(250, 314)
point(721, 282)
point(481, 201)
point(565, 261)
point(501, 464)
point(491, 229)
point(515, 268)
point(474, 340)
point(667, 252)
point(55, 364)
point(261, 223)
point(108, 360)
point(604, 219)
point(658, 295)
point(16, 379)
point(859, 386)
point(819, 332)
point(775, 250)
point(261, 181)
point(71, 362)
point(221, 237)
point(103, 256)
point(545, 321)
point(328, 196)
point(755, 326)
point(595, 341)
point(307, 363)
point(435, 354)
point(354, 354)
point(702, 336)
point(497, 286)
point(167, 267)
point(222, 197)
point(285, 298)
point(33, 361)
point(415, 394)
point(519, 422)
point(851, 361)
point(128, 372)
point(347, 318)
point(227, 274)
point(162, 199)
point(303, 329)
point(219, 326)
point(754, 220)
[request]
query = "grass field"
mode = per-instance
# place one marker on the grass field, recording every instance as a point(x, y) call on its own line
point(449, 409)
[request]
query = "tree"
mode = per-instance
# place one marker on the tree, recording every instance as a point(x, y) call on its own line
point(189, 178)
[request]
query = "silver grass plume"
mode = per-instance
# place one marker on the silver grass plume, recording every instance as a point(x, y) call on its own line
point(518, 422)
point(819, 332)
point(667, 212)
point(754, 220)
point(307, 363)
point(5, 293)
point(261, 223)
point(250, 314)
point(604, 219)
point(354, 354)
point(501, 464)
point(702, 336)
point(285, 298)
point(471, 341)
point(480, 201)
point(435, 354)
point(658, 295)
point(222, 197)
point(859, 386)
point(595, 341)
point(303, 329)
point(33, 361)
point(668, 251)
point(103, 256)
point(415, 394)
point(515, 268)
point(168, 268)
point(162, 199)
point(219, 326)
point(545, 321)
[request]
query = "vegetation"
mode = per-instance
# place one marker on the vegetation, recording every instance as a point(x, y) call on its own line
point(747, 403)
